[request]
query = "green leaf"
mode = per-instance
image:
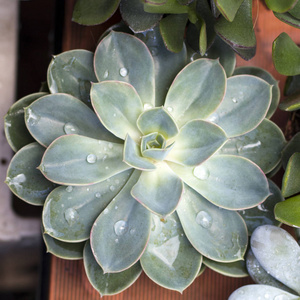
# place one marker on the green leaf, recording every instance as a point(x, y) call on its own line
point(191, 95)
point(125, 227)
point(94, 12)
point(218, 234)
point(227, 181)
point(280, 6)
point(290, 103)
point(159, 190)
point(202, 37)
point(16, 132)
point(72, 72)
point(263, 145)
point(244, 106)
point(157, 120)
point(165, 7)
point(263, 74)
point(292, 85)
point(79, 160)
point(278, 253)
point(69, 212)
point(196, 142)
point(288, 211)
point(286, 55)
point(292, 147)
point(291, 178)
point(118, 106)
point(134, 66)
point(108, 284)
point(295, 11)
point(24, 179)
point(169, 259)
point(228, 8)
point(288, 19)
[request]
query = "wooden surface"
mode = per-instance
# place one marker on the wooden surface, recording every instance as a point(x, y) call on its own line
point(67, 278)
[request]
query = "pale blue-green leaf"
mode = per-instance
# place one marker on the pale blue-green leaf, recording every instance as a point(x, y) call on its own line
point(265, 75)
point(123, 57)
point(263, 145)
point(153, 140)
point(169, 259)
point(121, 232)
point(263, 213)
point(257, 291)
point(278, 253)
point(16, 132)
point(118, 106)
point(46, 124)
point(292, 147)
point(72, 72)
point(202, 269)
point(218, 234)
point(159, 190)
point(157, 120)
point(227, 181)
point(234, 269)
point(133, 157)
point(108, 284)
point(196, 142)
point(291, 177)
point(196, 91)
point(24, 179)
point(79, 160)
point(69, 212)
point(158, 154)
point(245, 105)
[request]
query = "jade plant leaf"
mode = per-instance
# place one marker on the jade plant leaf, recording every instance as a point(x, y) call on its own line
point(165, 7)
point(295, 11)
point(228, 8)
point(125, 227)
point(280, 6)
point(135, 66)
point(69, 212)
point(91, 161)
point(223, 233)
point(94, 12)
point(227, 181)
point(243, 107)
point(292, 85)
point(24, 179)
point(288, 211)
point(292, 146)
point(16, 132)
point(169, 259)
point(278, 253)
point(72, 72)
point(290, 103)
point(190, 96)
point(118, 106)
point(288, 19)
point(108, 284)
point(286, 55)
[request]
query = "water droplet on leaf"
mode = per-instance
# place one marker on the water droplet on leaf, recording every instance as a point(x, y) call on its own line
point(98, 195)
point(234, 100)
point(201, 172)
point(70, 128)
point(153, 51)
point(91, 158)
point(112, 188)
point(147, 106)
point(121, 227)
point(71, 216)
point(69, 189)
point(123, 72)
point(204, 219)
point(105, 75)
point(169, 109)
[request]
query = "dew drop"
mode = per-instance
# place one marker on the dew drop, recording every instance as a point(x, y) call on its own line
point(69, 189)
point(116, 207)
point(117, 240)
point(112, 188)
point(132, 231)
point(105, 75)
point(106, 168)
point(267, 296)
point(201, 172)
point(110, 145)
point(234, 100)
point(153, 50)
point(214, 118)
point(91, 158)
point(169, 109)
point(114, 114)
point(121, 227)
point(71, 216)
point(106, 211)
point(147, 106)
point(104, 157)
point(123, 72)
point(33, 118)
point(204, 219)
point(70, 128)
point(98, 195)
point(261, 207)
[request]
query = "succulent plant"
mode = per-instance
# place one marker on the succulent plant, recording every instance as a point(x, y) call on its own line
point(154, 177)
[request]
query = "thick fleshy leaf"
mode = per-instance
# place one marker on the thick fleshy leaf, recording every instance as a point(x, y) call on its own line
point(218, 234)
point(24, 179)
point(288, 19)
point(94, 12)
point(158, 154)
point(263, 214)
point(288, 211)
point(229, 181)
point(46, 124)
point(135, 66)
point(278, 253)
point(125, 227)
point(245, 105)
point(108, 284)
point(191, 95)
point(63, 250)
point(292, 85)
point(165, 7)
point(169, 259)
point(292, 147)
point(280, 6)
point(69, 212)
point(291, 178)
point(286, 55)
point(228, 8)
point(196, 142)
point(159, 190)
point(263, 145)
point(263, 74)
point(133, 157)
point(257, 291)
point(290, 103)
point(72, 72)
point(16, 132)
point(157, 120)
point(118, 106)
point(234, 269)
point(295, 11)
point(79, 160)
